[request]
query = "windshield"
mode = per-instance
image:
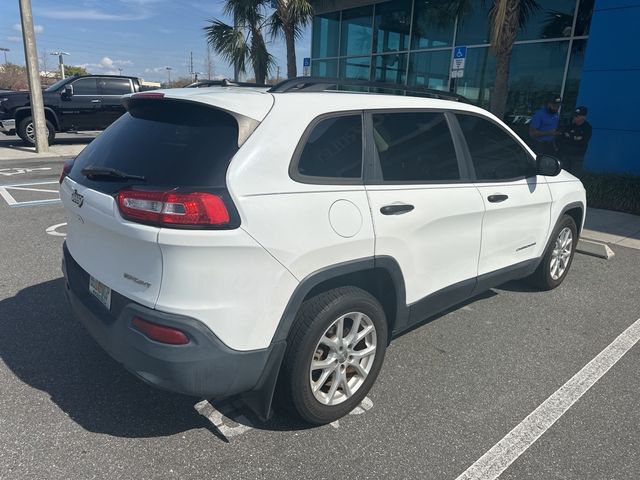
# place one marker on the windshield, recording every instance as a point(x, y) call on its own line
point(57, 85)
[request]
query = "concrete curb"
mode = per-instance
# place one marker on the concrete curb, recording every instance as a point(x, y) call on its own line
point(595, 249)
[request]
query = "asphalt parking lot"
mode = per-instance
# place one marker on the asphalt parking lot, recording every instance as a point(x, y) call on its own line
point(448, 392)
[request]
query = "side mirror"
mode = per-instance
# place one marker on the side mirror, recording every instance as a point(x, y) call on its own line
point(68, 91)
point(548, 166)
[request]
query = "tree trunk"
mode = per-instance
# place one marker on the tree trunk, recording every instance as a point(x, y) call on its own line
point(503, 48)
point(289, 37)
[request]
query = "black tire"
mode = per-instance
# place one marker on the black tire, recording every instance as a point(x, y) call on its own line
point(316, 315)
point(22, 131)
point(542, 278)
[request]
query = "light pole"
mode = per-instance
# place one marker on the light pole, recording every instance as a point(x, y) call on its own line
point(120, 70)
point(5, 50)
point(61, 61)
point(169, 74)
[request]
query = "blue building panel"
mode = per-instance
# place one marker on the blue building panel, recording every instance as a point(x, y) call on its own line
point(610, 87)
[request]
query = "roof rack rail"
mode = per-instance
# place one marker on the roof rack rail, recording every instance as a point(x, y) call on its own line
point(321, 84)
point(224, 83)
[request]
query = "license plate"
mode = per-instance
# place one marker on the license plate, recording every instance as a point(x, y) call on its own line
point(100, 291)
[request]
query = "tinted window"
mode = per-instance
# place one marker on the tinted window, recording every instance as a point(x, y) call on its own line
point(334, 149)
point(85, 86)
point(415, 147)
point(114, 86)
point(495, 154)
point(170, 143)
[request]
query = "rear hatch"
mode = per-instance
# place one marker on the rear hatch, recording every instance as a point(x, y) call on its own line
point(133, 180)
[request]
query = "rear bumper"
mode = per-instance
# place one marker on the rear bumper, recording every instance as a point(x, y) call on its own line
point(205, 367)
point(8, 127)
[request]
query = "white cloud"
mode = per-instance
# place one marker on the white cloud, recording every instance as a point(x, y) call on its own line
point(106, 66)
point(36, 28)
point(14, 39)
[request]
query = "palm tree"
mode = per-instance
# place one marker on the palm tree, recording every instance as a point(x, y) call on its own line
point(289, 20)
point(507, 17)
point(238, 46)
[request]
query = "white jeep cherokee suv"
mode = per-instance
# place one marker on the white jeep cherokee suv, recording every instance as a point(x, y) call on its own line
point(229, 240)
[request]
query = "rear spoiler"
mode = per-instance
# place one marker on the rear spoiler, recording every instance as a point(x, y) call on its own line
point(246, 125)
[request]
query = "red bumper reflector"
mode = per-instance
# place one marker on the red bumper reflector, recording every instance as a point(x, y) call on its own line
point(160, 333)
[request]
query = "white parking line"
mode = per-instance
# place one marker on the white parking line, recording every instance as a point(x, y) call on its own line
point(29, 187)
point(491, 465)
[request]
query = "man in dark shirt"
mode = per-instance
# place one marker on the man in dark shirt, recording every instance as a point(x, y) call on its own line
point(543, 127)
point(574, 141)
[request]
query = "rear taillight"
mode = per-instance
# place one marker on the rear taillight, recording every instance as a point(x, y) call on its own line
point(160, 333)
point(66, 169)
point(173, 208)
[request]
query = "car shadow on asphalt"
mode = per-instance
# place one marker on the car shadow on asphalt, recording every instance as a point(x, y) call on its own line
point(48, 349)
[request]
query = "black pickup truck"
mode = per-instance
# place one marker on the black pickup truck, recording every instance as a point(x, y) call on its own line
point(87, 102)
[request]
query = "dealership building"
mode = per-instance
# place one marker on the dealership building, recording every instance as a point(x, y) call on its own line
point(585, 50)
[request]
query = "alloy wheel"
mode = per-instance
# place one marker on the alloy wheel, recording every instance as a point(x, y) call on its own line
point(343, 358)
point(561, 253)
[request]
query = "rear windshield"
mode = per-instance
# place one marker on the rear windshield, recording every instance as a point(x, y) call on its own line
point(169, 143)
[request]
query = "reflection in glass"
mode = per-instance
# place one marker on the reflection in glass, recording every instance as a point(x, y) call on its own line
point(390, 68)
point(325, 35)
point(572, 83)
point(473, 25)
point(356, 31)
point(357, 68)
point(553, 19)
point(324, 68)
point(430, 69)
point(479, 76)
point(585, 11)
point(433, 24)
point(392, 25)
point(536, 71)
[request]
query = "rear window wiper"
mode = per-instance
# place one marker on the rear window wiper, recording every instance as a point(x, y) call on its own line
point(94, 173)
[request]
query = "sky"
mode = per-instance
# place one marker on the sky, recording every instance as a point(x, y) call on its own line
point(142, 37)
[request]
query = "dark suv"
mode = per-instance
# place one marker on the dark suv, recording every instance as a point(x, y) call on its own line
point(89, 102)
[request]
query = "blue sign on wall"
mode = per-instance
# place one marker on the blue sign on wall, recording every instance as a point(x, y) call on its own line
point(460, 52)
point(306, 62)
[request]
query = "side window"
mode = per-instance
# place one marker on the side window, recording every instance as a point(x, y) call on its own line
point(415, 147)
point(495, 154)
point(114, 86)
point(85, 86)
point(334, 149)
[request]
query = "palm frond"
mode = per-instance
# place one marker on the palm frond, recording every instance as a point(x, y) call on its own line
point(228, 42)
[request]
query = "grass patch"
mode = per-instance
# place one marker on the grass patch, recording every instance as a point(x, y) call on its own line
point(612, 192)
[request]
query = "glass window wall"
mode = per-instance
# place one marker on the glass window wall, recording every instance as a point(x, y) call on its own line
point(430, 69)
point(357, 68)
point(356, 31)
point(432, 24)
point(552, 19)
point(326, 32)
point(391, 68)
point(392, 26)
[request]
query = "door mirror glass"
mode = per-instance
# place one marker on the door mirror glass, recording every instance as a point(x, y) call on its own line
point(548, 166)
point(68, 91)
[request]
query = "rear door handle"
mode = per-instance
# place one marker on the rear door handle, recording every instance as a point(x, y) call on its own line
point(497, 198)
point(396, 209)
point(96, 101)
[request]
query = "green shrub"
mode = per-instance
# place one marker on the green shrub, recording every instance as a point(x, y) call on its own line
point(612, 191)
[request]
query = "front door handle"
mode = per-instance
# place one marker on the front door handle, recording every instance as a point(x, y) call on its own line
point(96, 101)
point(398, 209)
point(497, 198)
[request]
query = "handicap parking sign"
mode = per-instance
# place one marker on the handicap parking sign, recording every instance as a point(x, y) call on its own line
point(460, 52)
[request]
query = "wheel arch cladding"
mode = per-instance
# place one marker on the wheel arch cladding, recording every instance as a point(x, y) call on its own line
point(379, 276)
point(49, 114)
point(576, 212)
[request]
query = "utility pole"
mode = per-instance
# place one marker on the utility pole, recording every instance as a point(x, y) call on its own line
point(5, 50)
point(209, 63)
point(278, 74)
point(191, 63)
point(35, 93)
point(169, 74)
point(60, 61)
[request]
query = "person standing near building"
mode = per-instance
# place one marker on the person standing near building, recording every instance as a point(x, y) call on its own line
point(543, 128)
point(575, 140)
